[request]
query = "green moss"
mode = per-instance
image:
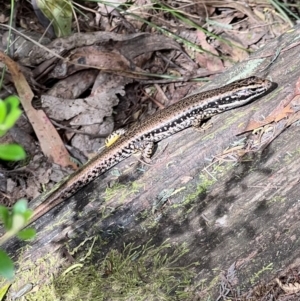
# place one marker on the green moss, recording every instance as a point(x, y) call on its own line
point(151, 223)
point(121, 191)
point(137, 273)
point(205, 289)
point(264, 269)
point(289, 156)
point(276, 199)
point(205, 183)
point(36, 273)
point(142, 215)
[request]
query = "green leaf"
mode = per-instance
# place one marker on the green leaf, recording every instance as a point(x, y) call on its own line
point(4, 213)
point(12, 102)
point(20, 206)
point(12, 152)
point(18, 222)
point(6, 217)
point(3, 291)
point(9, 113)
point(27, 234)
point(11, 118)
point(12, 112)
point(2, 111)
point(27, 214)
point(6, 266)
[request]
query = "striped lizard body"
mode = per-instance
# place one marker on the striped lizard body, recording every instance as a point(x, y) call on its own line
point(190, 111)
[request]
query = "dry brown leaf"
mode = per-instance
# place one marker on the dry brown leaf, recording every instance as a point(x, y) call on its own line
point(3, 18)
point(77, 84)
point(290, 288)
point(91, 57)
point(283, 110)
point(239, 7)
point(50, 142)
point(129, 46)
point(86, 111)
point(275, 116)
point(91, 113)
point(61, 45)
point(293, 119)
point(208, 61)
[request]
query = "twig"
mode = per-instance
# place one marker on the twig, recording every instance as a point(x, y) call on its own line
point(77, 131)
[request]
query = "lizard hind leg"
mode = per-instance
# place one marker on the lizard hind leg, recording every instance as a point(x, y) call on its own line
point(145, 151)
point(201, 126)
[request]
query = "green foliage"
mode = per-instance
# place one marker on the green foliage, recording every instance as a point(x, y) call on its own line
point(12, 152)
point(16, 218)
point(26, 234)
point(6, 266)
point(9, 114)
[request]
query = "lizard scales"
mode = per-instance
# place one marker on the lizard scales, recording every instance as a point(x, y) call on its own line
point(190, 111)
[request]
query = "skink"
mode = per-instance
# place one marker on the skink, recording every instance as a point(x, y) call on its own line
point(190, 111)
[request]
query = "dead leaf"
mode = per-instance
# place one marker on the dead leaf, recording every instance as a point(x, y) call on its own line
point(290, 288)
point(212, 63)
point(61, 45)
point(50, 142)
point(77, 84)
point(130, 46)
point(91, 57)
point(283, 110)
point(91, 113)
